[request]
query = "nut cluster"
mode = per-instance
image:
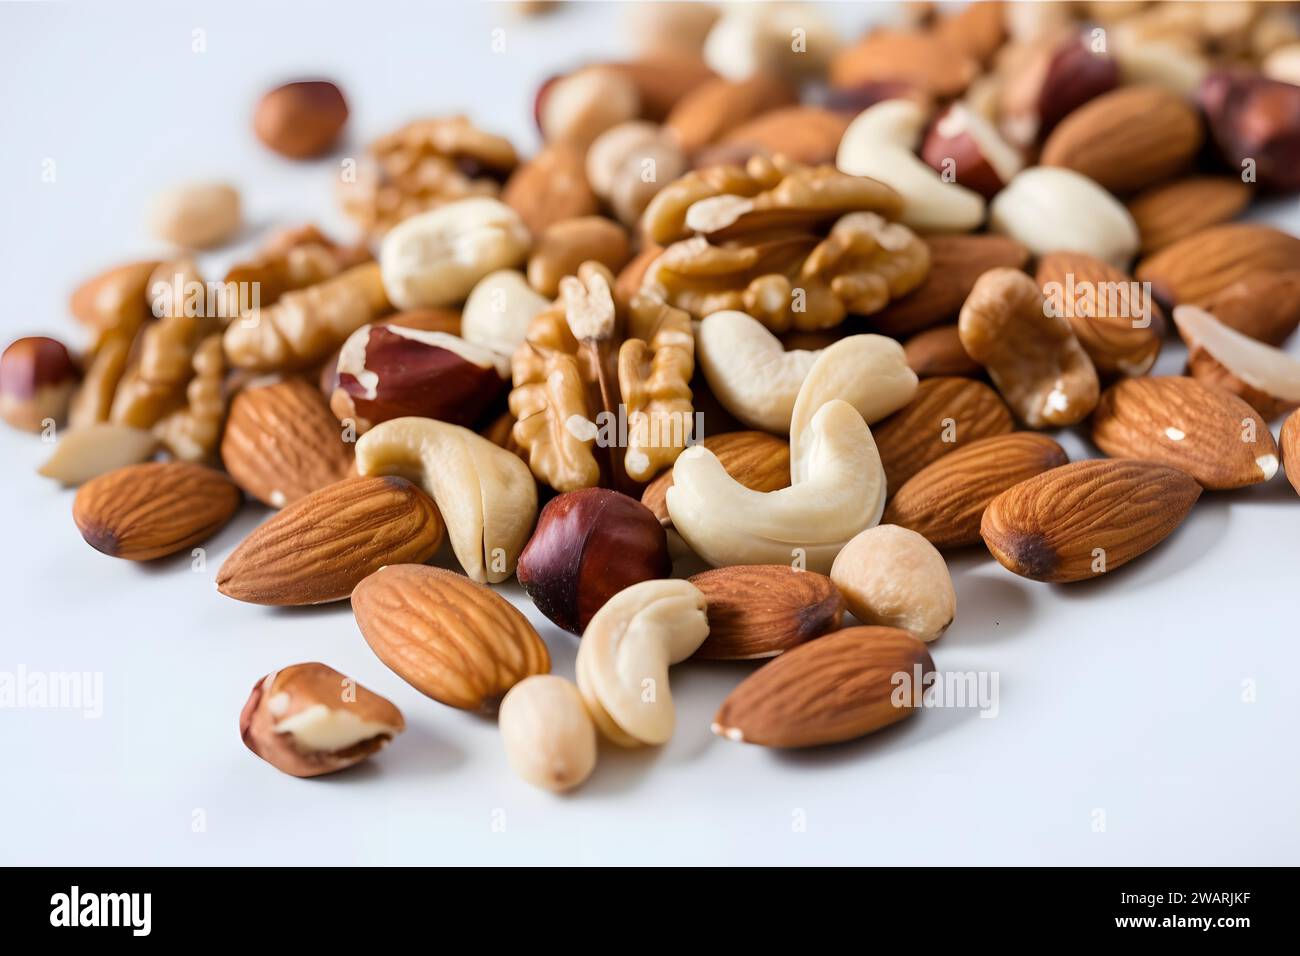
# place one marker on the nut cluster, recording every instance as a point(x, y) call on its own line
point(973, 229)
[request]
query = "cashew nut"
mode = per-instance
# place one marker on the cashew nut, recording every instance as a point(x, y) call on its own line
point(881, 143)
point(1053, 209)
point(435, 258)
point(486, 494)
point(625, 653)
point(749, 370)
point(870, 372)
point(842, 492)
point(499, 310)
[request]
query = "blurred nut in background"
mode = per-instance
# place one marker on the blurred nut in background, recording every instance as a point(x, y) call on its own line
point(37, 378)
point(309, 720)
point(579, 107)
point(499, 310)
point(301, 120)
point(566, 245)
point(196, 216)
point(1256, 123)
point(629, 163)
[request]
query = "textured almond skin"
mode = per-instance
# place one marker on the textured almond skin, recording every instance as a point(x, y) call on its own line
point(913, 437)
point(1208, 370)
point(945, 500)
point(755, 459)
point(146, 511)
point(1167, 212)
point(762, 610)
point(829, 690)
point(1263, 305)
point(1185, 424)
point(550, 188)
point(938, 351)
point(450, 638)
point(1048, 528)
point(1115, 345)
point(1197, 267)
point(956, 262)
point(1127, 138)
point(281, 443)
point(321, 546)
point(1290, 443)
point(805, 134)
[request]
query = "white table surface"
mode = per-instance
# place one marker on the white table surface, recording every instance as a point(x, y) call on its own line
point(1123, 696)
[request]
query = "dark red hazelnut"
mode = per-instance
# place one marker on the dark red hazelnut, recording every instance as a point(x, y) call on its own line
point(37, 378)
point(1255, 119)
point(964, 143)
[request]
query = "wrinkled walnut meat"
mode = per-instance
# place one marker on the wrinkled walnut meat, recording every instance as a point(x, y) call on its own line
point(295, 259)
point(422, 165)
point(583, 357)
point(191, 433)
point(794, 246)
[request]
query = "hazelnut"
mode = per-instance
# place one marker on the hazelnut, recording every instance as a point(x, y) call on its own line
point(37, 378)
point(391, 371)
point(589, 545)
point(1043, 84)
point(301, 120)
point(967, 145)
point(566, 245)
point(1252, 117)
point(309, 720)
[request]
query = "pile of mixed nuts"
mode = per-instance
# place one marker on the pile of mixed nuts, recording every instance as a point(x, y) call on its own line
point(798, 305)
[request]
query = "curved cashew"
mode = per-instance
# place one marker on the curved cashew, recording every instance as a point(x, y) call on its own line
point(881, 143)
point(486, 494)
point(842, 492)
point(870, 372)
point(749, 370)
point(624, 656)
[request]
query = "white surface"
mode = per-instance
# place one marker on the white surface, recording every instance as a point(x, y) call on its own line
point(1123, 695)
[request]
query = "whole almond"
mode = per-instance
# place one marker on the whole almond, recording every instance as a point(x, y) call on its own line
point(301, 120)
point(663, 79)
point(450, 638)
point(938, 351)
point(1127, 138)
point(714, 108)
point(1169, 211)
point(281, 442)
point(923, 60)
point(1086, 518)
point(804, 134)
point(945, 500)
point(1197, 267)
point(836, 688)
point(755, 459)
point(321, 546)
point(1215, 437)
point(1116, 324)
point(146, 511)
point(1290, 443)
point(762, 610)
point(946, 414)
point(550, 188)
point(956, 262)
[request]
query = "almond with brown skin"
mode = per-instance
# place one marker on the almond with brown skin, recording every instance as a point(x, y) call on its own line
point(281, 442)
point(716, 107)
point(763, 610)
point(833, 689)
point(956, 262)
point(804, 134)
point(1215, 437)
point(1086, 518)
point(321, 546)
point(938, 351)
point(1118, 326)
point(146, 511)
point(946, 414)
point(1169, 211)
point(1290, 444)
point(945, 500)
point(1127, 139)
point(1198, 267)
point(1205, 368)
point(550, 188)
point(450, 638)
point(1263, 305)
point(755, 459)
point(924, 60)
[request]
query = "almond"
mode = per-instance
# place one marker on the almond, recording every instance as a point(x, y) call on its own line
point(956, 262)
point(550, 188)
point(938, 351)
point(450, 638)
point(1086, 518)
point(1262, 375)
point(922, 60)
point(836, 688)
point(663, 79)
point(281, 443)
point(1263, 305)
point(1205, 368)
point(755, 459)
point(1116, 324)
point(146, 511)
point(1215, 437)
point(718, 106)
point(945, 414)
point(1127, 139)
point(1167, 212)
point(321, 546)
point(945, 500)
point(762, 610)
point(804, 134)
point(1290, 442)
point(1199, 266)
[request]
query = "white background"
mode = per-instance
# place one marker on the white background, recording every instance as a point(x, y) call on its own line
point(1123, 695)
